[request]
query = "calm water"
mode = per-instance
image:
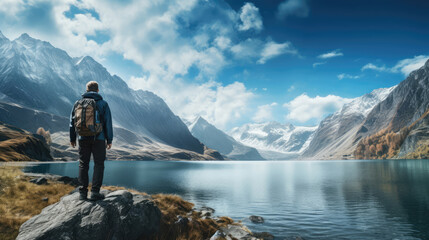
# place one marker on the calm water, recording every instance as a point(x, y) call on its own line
point(312, 199)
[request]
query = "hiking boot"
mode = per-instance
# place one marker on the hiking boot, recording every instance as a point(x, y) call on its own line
point(95, 196)
point(83, 196)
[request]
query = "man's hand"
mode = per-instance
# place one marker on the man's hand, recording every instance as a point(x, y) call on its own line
point(73, 144)
point(109, 146)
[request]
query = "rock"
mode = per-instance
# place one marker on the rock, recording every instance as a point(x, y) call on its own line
point(263, 235)
point(206, 211)
point(219, 235)
point(45, 199)
point(69, 180)
point(256, 219)
point(239, 232)
point(39, 181)
point(119, 216)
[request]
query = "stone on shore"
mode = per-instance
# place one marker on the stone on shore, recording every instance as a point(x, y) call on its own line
point(121, 215)
point(39, 181)
point(256, 219)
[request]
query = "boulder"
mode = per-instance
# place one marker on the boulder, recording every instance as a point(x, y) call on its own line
point(206, 211)
point(256, 219)
point(121, 215)
point(39, 181)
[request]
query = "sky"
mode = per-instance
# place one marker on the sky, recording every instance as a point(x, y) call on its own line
point(235, 62)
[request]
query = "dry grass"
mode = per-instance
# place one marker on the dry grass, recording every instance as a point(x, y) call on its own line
point(20, 199)
point(172, 206)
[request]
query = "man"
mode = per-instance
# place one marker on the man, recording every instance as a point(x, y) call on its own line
point(96, 144)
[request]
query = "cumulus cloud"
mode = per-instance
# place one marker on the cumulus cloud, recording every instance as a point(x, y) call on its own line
point(297, 8)
point(335, 53)
point(215, 102)
point(405, 66)
point(345, 75)
point(273, 49)
point(264, 113)
point(304, 108)
point(250, 18)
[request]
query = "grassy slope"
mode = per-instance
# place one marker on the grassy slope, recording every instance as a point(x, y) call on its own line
point(20, 200)
point(19, 145)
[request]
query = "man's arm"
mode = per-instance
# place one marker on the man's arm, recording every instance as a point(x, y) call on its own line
point(72, 129)
point(108, 126)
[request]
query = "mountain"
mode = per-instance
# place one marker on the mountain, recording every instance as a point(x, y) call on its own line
point(273, 139)
point(216, 139)
point(396, 127)
point(37, 75)
point(335, 135)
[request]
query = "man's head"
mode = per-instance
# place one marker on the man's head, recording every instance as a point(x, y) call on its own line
point(92, 86)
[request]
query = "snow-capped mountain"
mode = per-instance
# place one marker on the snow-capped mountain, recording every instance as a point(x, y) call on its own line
point(37, 75)
point(216, 139)
point(274, 136)
point(334, 138)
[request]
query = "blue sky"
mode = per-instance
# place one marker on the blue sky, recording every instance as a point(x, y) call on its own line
point(235, 62)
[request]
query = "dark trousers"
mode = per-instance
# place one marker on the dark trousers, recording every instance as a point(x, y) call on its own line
point(98, 150)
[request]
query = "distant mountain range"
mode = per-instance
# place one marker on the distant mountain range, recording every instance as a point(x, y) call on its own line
point(37, 76)
point(275, 140)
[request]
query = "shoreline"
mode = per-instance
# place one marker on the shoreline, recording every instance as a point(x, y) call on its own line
point(204, 216)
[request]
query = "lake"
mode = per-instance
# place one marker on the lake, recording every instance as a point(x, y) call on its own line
point(381, 199)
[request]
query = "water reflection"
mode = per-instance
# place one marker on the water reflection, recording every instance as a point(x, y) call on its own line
point(314, 199)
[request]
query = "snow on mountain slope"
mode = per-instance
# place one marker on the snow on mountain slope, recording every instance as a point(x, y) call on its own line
point(216, 139)
point(274, 136)
point(334, 137)
point(37, 75)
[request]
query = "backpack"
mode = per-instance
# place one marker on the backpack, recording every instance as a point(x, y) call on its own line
point(87, 117)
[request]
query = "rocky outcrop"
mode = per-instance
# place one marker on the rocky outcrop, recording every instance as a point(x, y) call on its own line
point(121, 215)
point(417, 141)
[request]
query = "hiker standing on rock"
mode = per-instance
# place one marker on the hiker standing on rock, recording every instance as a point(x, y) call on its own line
point(92, 121)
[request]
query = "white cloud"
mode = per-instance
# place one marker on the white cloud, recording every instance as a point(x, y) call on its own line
point(345, 75)
point(217, 103)
point(304, 108)
point(405, 66)
point(318, 64)
point(335, 53)
point(291, 88)
point(273, 49)
point(250, 18)
point(264, 113)
point(371, 66)
point(298, 8)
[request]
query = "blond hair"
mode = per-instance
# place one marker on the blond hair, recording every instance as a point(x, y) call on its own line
point(92, 86)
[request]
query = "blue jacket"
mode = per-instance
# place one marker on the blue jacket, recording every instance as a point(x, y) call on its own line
point(104, 110)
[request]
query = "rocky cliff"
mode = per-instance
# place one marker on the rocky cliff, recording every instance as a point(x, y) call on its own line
point(398, 123)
